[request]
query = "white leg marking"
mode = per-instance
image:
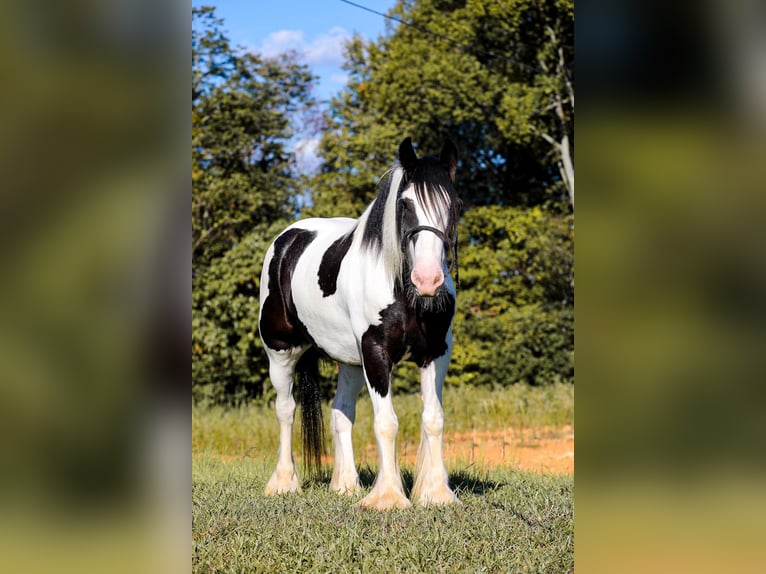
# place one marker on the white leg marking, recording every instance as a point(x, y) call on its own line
point(388, 491)
point(344, 476)
point(431, 482)
point(281, 369)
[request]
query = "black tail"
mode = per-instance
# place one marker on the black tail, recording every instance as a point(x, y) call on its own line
point(307, 371)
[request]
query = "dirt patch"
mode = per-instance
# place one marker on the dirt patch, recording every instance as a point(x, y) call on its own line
point(546, 449)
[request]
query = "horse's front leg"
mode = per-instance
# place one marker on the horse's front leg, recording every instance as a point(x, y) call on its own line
point(431, 482)
point(388, 491)
point(344, 476)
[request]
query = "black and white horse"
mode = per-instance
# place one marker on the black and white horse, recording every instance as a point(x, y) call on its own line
point(367, 293)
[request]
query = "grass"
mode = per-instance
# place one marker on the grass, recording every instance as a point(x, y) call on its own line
point(508, 522)
point(251, 431)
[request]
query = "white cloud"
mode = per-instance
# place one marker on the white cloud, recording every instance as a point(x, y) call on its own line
point(325, 49)
point(282, 41)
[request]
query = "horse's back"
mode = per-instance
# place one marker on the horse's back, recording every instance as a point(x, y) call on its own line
point(289, 246)
point(325, 225)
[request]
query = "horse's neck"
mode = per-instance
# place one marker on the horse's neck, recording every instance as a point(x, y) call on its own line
point(372, 269)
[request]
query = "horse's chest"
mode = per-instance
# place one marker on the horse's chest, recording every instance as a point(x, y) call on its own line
point(409, 334)
point(426, 340)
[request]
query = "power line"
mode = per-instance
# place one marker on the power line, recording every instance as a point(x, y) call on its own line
point(462, 47)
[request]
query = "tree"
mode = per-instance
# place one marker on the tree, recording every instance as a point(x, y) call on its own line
point(515, 314)
point(542, 106)
point(244, 190)
point(242, 107)
point(497, 77)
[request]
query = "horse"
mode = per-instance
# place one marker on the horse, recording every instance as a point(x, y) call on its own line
point(366, 293)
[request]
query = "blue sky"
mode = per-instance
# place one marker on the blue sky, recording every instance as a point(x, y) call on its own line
point(314, 28)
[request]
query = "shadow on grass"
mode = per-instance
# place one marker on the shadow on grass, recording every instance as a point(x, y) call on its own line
point(367, 476)
point(461, 481)
point(464, 481)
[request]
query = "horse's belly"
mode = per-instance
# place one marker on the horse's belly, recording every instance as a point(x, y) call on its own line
point(330, 328)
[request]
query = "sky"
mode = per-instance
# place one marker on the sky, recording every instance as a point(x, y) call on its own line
point(316, 29)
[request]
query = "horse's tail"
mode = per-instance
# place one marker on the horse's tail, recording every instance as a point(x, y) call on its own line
point(307, 371)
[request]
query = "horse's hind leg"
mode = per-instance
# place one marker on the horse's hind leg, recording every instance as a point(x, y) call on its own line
point(281, 369)
point(344, 476)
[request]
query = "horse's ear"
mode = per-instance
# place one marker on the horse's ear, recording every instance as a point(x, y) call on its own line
point(448, 158)
point(407, 156)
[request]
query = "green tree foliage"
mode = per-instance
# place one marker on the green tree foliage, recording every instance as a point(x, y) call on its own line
point(228, 360)
point(497, 77)
point(515, 317)
point(242, 106)
point(244, 190)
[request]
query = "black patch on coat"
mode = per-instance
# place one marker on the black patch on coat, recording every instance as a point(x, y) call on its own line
point(330, 264)
point(382, 346)
point(419, 328)
point(280, 327)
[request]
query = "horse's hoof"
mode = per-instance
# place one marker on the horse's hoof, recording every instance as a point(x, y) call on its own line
point(347, 486)
point(384, 500)
point(283, 482)
point(439, 497)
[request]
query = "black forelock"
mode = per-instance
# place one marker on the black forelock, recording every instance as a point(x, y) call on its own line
point(433, 187)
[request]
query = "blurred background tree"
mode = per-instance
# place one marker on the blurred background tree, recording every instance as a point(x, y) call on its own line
point(497, 78)
point(242, 107)
point(245, 188)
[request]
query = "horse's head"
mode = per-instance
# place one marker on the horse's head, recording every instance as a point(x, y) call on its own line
point(427, 212)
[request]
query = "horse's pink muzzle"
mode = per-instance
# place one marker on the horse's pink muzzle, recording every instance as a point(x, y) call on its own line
point(427, 279)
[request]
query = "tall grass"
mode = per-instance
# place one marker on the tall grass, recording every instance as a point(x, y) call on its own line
point(252, 431)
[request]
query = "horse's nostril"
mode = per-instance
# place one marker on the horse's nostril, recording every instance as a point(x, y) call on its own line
point(427, 283)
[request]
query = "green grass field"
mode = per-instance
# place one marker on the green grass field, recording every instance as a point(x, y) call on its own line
point(510, 521)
